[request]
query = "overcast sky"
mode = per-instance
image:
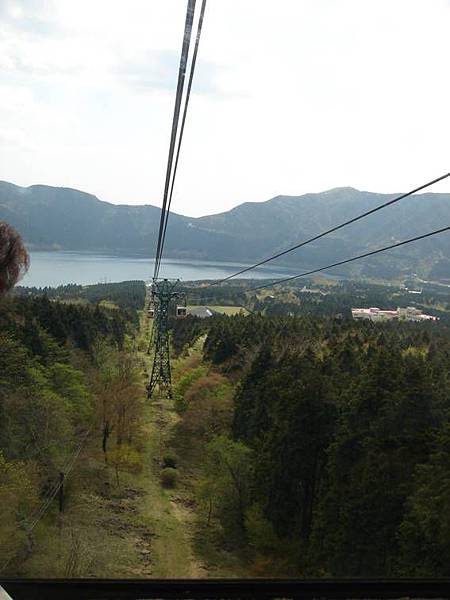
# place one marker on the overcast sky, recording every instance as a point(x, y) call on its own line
point(290, 97)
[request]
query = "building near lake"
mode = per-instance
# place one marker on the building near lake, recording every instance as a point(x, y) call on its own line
point(410, 313)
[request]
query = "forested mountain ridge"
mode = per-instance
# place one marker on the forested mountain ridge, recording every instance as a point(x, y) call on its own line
point(67, 219)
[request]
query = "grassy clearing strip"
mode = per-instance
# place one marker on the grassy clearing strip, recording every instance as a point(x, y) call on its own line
point(170, 555)
point(171, 547)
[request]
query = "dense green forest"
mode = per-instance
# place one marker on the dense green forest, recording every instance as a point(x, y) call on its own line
point(67, 378)
point(127, 294)
point(232, 294)
point(331, 455)
point(298, 442)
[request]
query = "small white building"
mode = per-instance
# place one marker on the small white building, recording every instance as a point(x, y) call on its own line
point(202, 312)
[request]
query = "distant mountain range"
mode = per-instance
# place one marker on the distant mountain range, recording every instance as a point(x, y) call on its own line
point(51, 218)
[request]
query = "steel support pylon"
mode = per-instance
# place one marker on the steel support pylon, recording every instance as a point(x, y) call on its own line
point(162, 295)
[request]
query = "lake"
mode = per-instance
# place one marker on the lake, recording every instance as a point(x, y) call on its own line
point(59, 268)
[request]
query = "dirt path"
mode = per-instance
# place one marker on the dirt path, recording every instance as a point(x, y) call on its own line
point(171, 545)
point(185, 515)
point(168, 515)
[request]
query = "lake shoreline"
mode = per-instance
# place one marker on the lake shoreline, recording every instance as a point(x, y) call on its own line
point(54, 268)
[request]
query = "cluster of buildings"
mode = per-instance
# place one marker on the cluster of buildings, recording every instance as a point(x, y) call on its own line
point(410, 313)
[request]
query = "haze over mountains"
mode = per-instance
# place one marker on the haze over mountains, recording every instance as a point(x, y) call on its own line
point(52, 218)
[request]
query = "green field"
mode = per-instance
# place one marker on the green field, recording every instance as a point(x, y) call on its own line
point(225, 310)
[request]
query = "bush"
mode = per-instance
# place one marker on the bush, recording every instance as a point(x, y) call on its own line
point(168, 477)
point(170, 460)
point(180, 403)
point(125, 458)
point(184, 384)
point(259, 530)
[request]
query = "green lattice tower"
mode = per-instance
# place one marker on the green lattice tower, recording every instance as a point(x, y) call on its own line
point(162, 293)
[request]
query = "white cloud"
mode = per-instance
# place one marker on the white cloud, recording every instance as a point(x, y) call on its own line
point(289, 97)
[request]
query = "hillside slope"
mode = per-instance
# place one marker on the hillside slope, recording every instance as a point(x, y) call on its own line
point(67, 219)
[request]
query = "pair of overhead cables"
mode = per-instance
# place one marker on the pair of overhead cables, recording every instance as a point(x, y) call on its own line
point(336, 228)
point(343, 262)
point(353, 258)
point(172, 166)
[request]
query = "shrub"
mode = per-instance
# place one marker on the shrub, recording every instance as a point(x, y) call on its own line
point(125, 458)
point(259, 530)
point(180, 403)
point(184, 384)
point(168, 477)
point(170, 459)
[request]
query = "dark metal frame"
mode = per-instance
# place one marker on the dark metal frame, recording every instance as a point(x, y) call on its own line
point(95, 589)
point(163, 292)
